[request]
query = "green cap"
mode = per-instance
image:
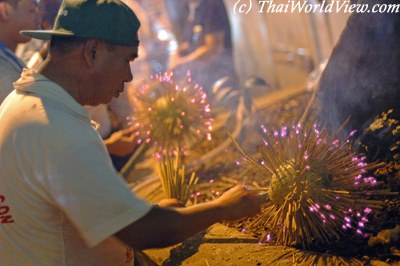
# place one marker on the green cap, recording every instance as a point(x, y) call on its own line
point(109, 20)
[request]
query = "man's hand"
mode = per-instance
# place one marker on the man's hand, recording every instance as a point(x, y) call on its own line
point(162, 227)
point(238, 202)
point(170, 203)
point(121, 142)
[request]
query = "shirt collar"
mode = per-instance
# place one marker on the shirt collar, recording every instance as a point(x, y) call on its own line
point(33, 83)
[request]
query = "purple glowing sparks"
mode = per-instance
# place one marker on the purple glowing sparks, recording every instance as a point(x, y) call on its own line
point(263, 129)
point(172, 114)
point(368, 210)
point(311, 178)
point(352, 133)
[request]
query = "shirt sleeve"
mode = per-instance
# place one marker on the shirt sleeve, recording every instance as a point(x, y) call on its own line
point(94, 197)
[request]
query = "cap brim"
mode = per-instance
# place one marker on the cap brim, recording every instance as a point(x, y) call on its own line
point(44, 34)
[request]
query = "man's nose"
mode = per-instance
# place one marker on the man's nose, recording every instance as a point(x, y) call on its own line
point(129, 76)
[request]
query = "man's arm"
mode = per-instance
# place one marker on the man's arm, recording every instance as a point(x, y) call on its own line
point(213, 43)
point(121, 142)
point(163, 227)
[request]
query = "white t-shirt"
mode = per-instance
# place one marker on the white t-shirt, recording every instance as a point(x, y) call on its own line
point(60, 198)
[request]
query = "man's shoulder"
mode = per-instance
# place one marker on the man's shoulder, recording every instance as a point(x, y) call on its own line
point(46, 118)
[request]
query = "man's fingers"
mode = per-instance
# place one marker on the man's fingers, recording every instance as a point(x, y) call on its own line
point(128, 131)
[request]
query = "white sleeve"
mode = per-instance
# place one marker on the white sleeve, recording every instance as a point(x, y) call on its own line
point(92, 194)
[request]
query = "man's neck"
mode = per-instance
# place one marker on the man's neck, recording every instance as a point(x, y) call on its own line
point(69, 79)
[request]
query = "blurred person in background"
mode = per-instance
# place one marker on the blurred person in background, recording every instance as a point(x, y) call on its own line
point(34, 52)
point(177, 13)
point(15, 15)
point(206, 49)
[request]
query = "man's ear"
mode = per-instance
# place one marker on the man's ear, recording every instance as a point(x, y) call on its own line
point(91, 52)
point(5, 11)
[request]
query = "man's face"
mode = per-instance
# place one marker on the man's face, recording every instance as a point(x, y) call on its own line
point(113, 72)
point(25, 16)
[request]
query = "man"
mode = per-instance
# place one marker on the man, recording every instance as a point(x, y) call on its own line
point(207, 50)
point(15, 15)
point(119, 140)
point(61, 201)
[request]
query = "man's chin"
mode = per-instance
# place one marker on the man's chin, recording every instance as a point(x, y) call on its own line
point(99, 102)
